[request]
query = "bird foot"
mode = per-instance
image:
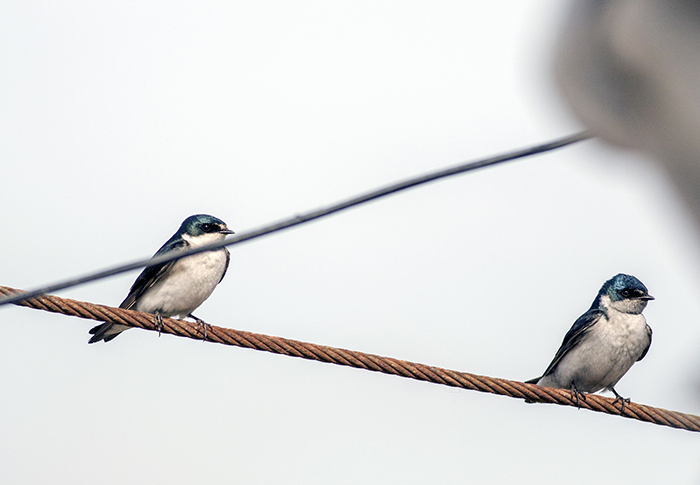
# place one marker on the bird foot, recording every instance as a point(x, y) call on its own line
point(201, 326)
point(623, 400)
point(158, 321)
point(579, 395)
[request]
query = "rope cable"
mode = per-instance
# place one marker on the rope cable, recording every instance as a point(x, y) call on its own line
point(360, 360)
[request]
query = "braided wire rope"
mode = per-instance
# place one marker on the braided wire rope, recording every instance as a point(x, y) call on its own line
point(360, 360)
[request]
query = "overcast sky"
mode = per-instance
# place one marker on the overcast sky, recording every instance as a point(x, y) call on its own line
point(120, 119)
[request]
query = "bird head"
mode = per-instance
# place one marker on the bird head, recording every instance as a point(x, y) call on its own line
point(625, 293)
point(203, 229)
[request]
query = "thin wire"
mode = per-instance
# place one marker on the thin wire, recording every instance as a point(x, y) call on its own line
point(304, 218)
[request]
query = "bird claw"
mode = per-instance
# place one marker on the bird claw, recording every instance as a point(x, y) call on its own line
point(575, 393)
point(201, 326)
point(623, 400)
point(158, 321)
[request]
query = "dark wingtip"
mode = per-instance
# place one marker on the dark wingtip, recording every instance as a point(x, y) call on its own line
point(98, 333)
point(94, 331)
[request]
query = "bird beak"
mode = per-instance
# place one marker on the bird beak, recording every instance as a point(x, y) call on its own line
point(226, 231)
point(647, 297)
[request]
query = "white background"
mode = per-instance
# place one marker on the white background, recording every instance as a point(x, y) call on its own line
point(120, 119)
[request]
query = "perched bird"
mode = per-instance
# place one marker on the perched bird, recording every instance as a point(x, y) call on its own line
point(177, 288)
point(604, 342)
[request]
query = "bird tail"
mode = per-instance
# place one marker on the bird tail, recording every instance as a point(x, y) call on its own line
point(106, 332)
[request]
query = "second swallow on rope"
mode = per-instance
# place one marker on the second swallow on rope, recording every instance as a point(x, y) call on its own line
point(603, 343)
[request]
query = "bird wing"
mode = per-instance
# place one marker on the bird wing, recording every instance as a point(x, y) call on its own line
point(578, 331)
point(228, 260)
point(152, 274)
point(644, 353)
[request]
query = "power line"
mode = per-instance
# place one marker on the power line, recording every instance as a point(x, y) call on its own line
point(361, 360)
point(309, 216)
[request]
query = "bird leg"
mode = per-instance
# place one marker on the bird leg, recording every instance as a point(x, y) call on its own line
point(201, 324)
point(577, 394)
point(158, 320)
point(623, 400)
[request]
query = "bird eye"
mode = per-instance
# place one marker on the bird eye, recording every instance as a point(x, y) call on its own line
point(625, 293)
point(208, 227)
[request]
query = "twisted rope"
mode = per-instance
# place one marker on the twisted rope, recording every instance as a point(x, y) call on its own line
point(361, 360)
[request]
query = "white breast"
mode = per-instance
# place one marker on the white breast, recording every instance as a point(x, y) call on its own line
point(604, 355)
point(187, 285)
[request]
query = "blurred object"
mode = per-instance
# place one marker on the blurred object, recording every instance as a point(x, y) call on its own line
point(630, 70)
